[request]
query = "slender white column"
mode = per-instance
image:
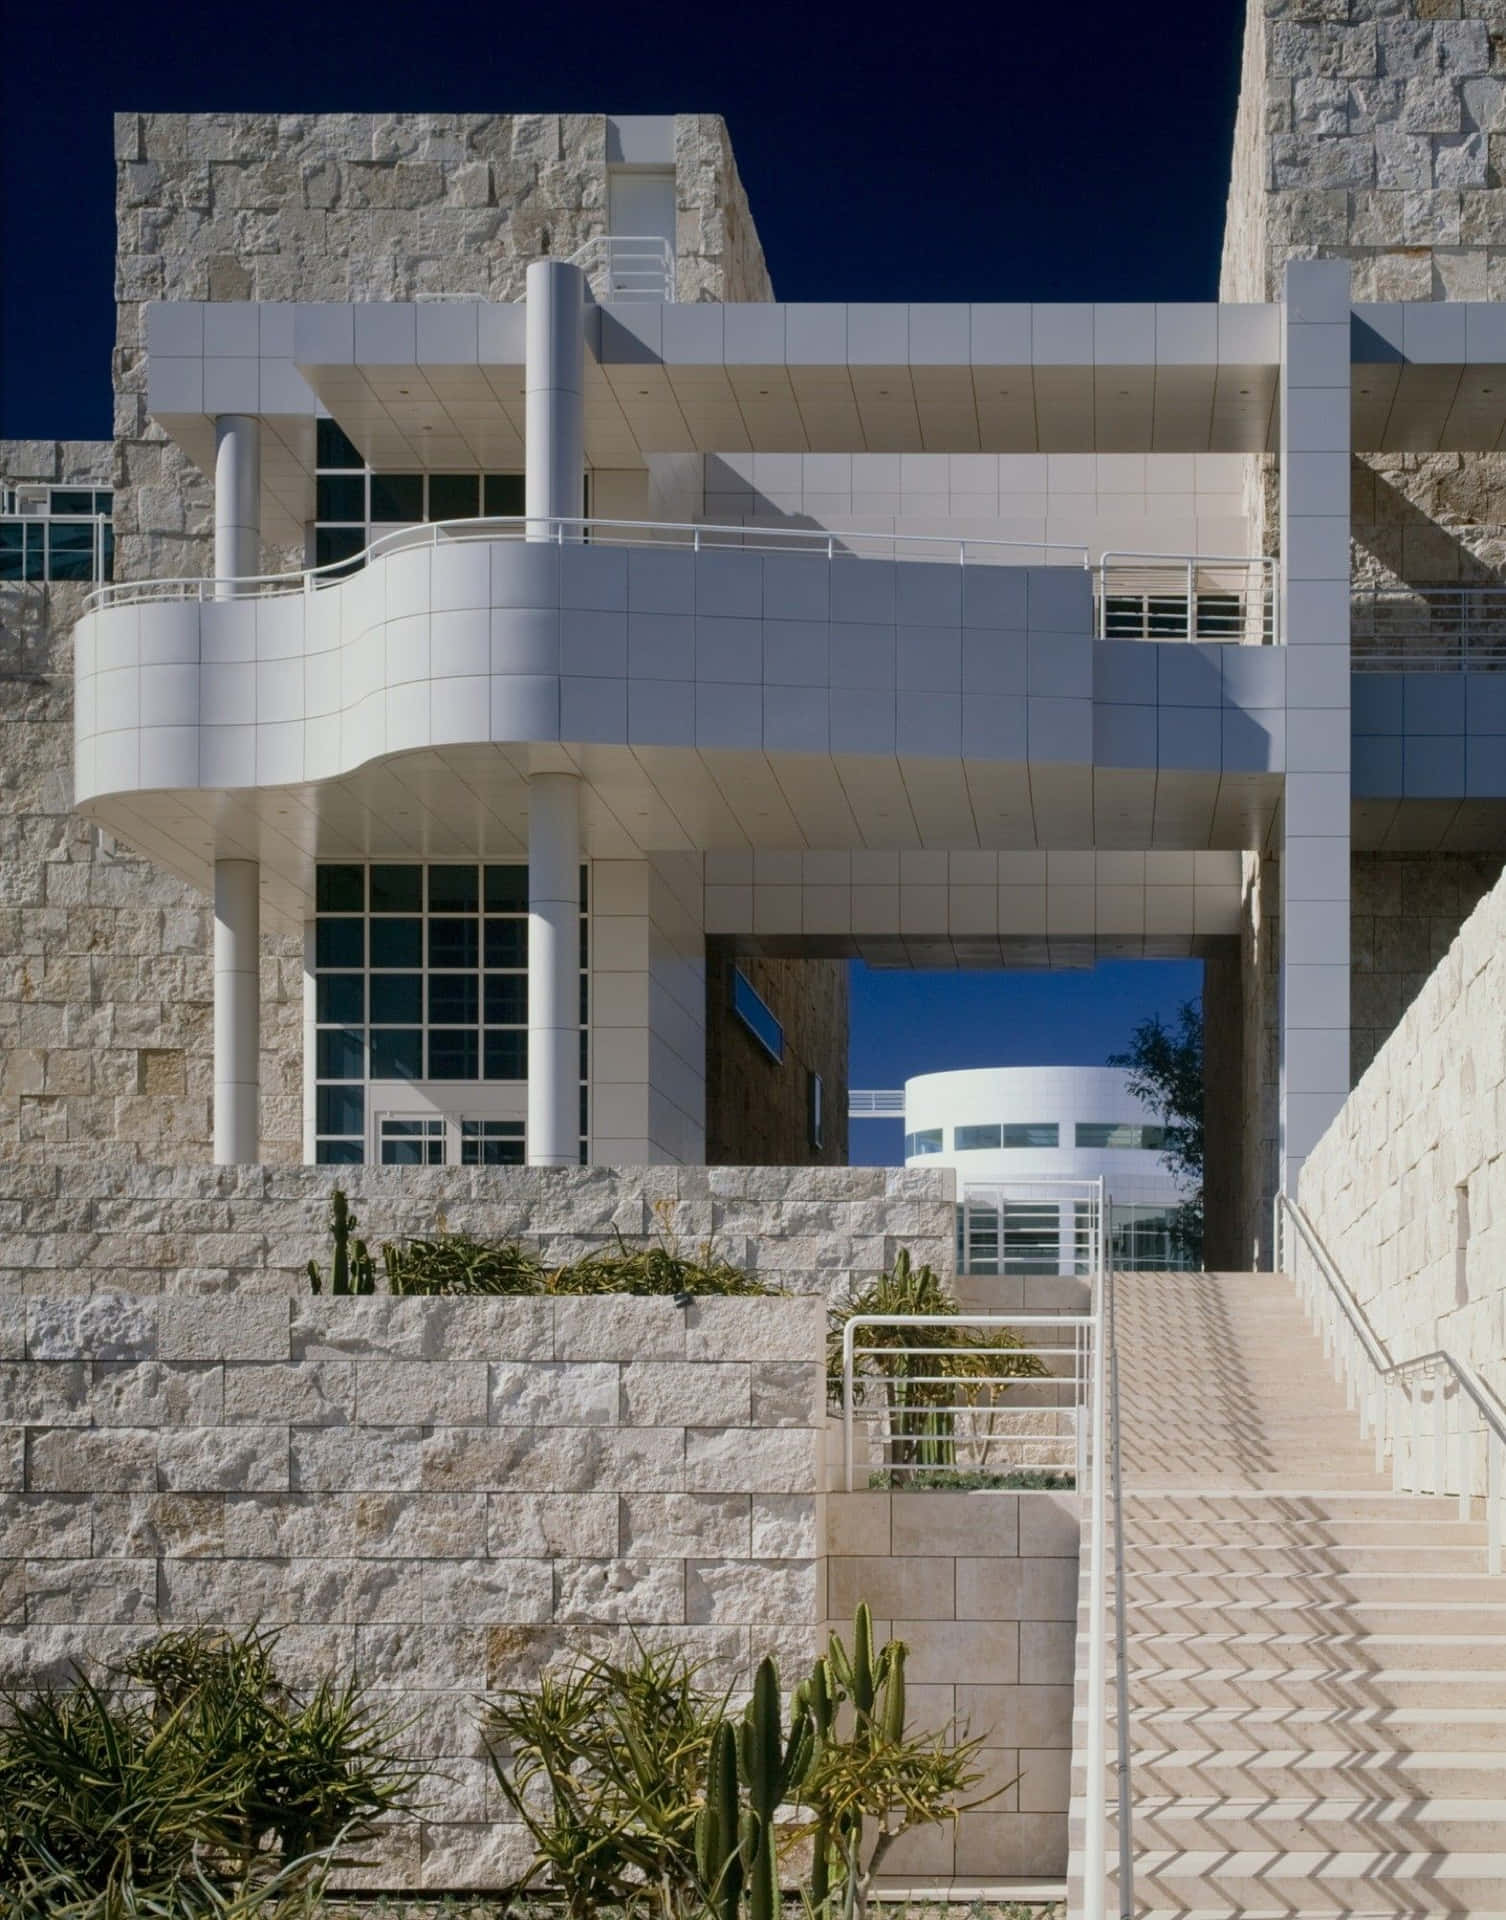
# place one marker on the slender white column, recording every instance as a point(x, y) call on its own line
point(310, 1042)
point(1315, 381)
point(555, 438)
point(237, 1010)
point(553, 970)
point(237, 500)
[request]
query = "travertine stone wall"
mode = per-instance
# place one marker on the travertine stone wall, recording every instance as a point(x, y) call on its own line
point(115, 1224)
point(443, 1496)
point(1383, 1186)
point(982, 1587)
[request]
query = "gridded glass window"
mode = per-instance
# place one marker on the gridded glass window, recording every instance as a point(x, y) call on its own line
point(413, 1143)
point(927, 1140)
point(352, 504)
point(1030, 1133)
point(974, 1139)
point(421, 974)
point(56, 533)
point(1104, 1133)
point(491, 1143)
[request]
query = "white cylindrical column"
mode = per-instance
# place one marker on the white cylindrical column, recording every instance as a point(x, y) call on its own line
point(554, 970)
point(237, 501)
point(237, 1010)
point(555, 447)
point(310, 1041)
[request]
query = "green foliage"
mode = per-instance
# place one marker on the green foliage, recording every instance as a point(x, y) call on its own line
point(873, 1769)
point(352, 1269)
point(922, 1388)
point(974, 1480)
point(457, 1263)
point(190, 1782)
point(1165, 1066)
point(771, 1767)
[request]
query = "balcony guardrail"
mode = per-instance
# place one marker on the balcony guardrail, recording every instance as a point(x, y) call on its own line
point(1047, 1226)
point(1151, 596)
point(877, 1103)
point(1428, 629)
point(628, 266)
point(1117, 579)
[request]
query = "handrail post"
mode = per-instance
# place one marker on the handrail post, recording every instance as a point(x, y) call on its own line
point(847, 1390)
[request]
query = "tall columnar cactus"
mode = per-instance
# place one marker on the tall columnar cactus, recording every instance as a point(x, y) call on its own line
point(873, 1685)
point(719, 1829)
point(352, 1269)
point(772, 1768)
point(820, 1696)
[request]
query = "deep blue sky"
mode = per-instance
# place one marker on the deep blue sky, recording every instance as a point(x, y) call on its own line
point(943, 153)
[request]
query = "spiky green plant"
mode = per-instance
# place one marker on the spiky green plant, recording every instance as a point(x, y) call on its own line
point(352, 1269)
point(771, 1766)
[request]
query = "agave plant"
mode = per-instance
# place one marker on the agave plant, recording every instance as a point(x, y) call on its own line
point(922, 1389)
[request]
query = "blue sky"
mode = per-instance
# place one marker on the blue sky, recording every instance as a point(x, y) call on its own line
point(959, 152)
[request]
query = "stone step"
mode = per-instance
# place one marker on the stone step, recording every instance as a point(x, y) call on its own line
point(1313, 1686)
point(1398, 1616)
point(1151, 1653)
point(1364, 1729)
point(1342, 1824)
point(1318, 1882)
point(1151, 1477)
point(1257, 1533)
point(1264, 1558)
point(1248, 1508)
point(1243, 1772)
point(1322, 1585)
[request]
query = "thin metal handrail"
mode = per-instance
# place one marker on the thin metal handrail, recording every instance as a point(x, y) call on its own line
point(1423, 628)
point(1353, 1341)
point(1127, 574)
point(1125, 1800)
point(630, 257)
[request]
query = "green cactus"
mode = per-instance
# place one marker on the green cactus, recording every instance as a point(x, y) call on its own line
point(352, 1269)
point(718, 1828)
point(819, 1695)
point(772, 1768)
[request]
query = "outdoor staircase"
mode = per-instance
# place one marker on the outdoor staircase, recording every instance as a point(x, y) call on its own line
point(1317, 1666)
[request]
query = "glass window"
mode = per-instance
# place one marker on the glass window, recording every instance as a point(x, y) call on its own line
point(12, 550)
point(503, 496)
point(412, 1143)
point(507, 889)
point(104, 501)
point(397, 943)
point(333, 448)
point(491, 1143)
point(454, 496)
point(72, 500)
point(397, 496)
point(506, 1055)
point(341, 998)
point(340, 943)
point(340, 496)
point(333, 544)
point(397, 1053)
point(972, 1139)
point(453, 1053)
point(507, 943)
point(452, 890)
point(452, 942)
point(756, 1015)
point(70, 550)
point(340, 1109)
point(927, 1140)
point(339, 1153)
point(340, 889)
point(341, 1054)
point(397, 999)
point(397, 889)
point(1031, 1133)
point(506, 999)
point(1098, 1133)
point(815, 1116)
point(452, 999)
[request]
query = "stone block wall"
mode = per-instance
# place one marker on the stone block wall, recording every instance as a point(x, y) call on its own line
point(117, 1225)
point(1408, 1186)
point(982, 1587)
point(442, 1496)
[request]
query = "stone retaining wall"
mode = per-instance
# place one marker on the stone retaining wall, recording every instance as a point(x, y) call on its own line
point(119, 1225)
point(1408, 1186)
point(440, 1495)
point(982, 1587)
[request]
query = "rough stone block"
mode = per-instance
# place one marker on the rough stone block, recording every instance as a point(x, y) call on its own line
point(742, 1460)
point(752, 1329)
point(45, 1527)
point(558, 1393)
point(685, 1393)
point(156, 1393)
point(604, 1327)
point(242, 1459)
point(354, 1459)
point(419, 1526)
point(753, 1591)
point(685, 1524)
point(308, 1393)
point(101, 1326)
point(633, 1592)
point(44, 1394)
point(79, 1460)
point(393, 1393)
point(90, 1592)
point(234, 1327)
point(540, 1525)
point(488, 1592)
point(179, 1526)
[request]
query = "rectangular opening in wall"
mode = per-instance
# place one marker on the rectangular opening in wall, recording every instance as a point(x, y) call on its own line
point(757, 1016)
point(815, 1127)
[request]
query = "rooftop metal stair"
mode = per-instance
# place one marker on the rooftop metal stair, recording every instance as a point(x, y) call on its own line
point(1316, 1665)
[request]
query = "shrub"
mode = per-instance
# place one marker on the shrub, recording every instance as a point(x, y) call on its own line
point(189, 1782)
point(458, 1263)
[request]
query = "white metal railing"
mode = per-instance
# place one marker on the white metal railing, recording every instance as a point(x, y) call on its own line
point(1043, 1226)
point(1152, 596)
point(1428, 629)
point(886, 1103)
point(628, 266)
point(1433, 1414)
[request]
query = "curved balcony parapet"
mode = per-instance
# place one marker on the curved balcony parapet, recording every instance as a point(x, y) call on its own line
point(601, 634)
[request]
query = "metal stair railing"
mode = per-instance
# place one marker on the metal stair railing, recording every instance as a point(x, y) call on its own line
point(1419, 1409)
